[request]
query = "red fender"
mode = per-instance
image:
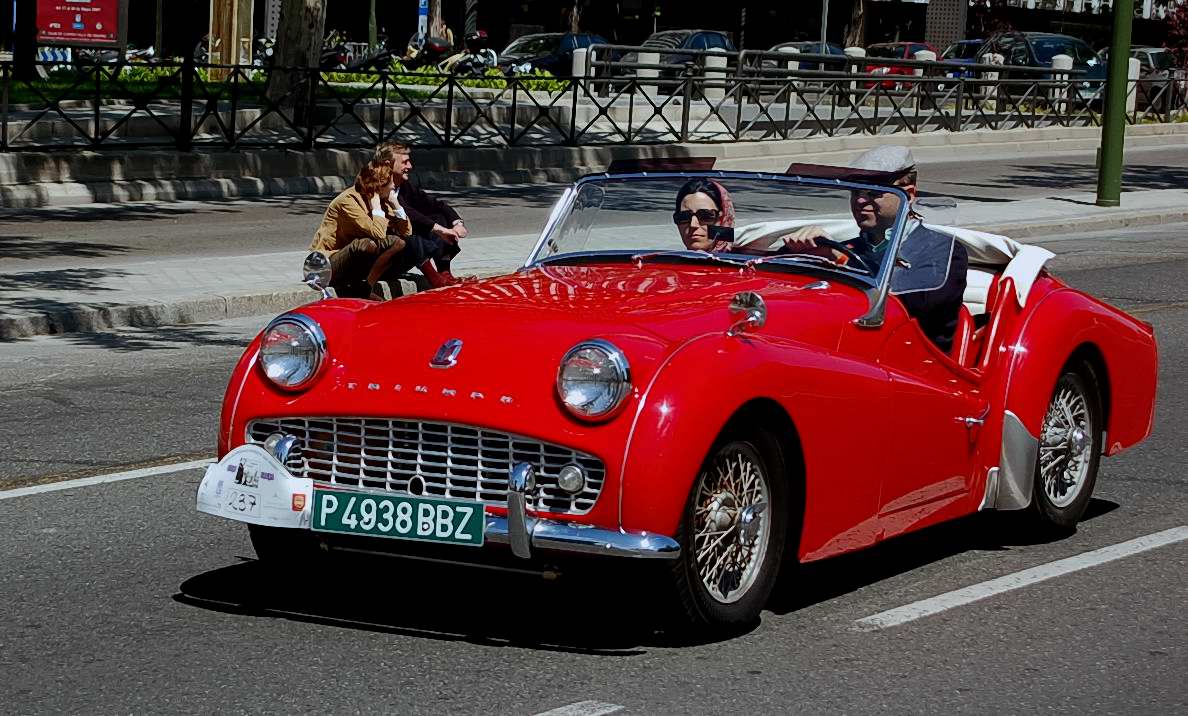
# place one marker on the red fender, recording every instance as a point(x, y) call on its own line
point(826, 398)
point(1064, 321)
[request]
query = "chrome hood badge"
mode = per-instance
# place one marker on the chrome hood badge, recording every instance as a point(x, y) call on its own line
point(447, 355)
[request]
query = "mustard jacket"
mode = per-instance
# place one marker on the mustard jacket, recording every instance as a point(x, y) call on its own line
point(349, 218)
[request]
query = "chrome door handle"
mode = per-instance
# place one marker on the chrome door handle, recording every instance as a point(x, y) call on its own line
point(971, 422)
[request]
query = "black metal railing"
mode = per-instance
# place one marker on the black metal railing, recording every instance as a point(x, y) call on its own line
point(754, 97)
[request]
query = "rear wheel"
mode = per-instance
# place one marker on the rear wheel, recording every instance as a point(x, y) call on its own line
point(733, 533)
point(1069, 450)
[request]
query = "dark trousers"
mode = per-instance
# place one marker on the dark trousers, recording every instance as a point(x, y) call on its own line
point(417, 251)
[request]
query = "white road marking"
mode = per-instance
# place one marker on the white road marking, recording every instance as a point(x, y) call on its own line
point(583, 708)
point(101, 479)
point(968, 595)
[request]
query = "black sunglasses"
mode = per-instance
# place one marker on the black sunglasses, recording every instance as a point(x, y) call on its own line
point(705, 216)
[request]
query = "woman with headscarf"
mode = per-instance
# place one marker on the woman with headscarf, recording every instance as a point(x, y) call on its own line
point(703, 207)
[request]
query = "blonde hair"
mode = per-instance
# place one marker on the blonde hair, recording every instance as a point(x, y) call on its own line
point(386, 153)
point(373, 178)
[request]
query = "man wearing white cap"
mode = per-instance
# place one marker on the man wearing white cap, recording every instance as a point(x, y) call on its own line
point(930, 270)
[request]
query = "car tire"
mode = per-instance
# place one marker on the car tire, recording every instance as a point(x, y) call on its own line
point(711, 593)
point(1069, 453)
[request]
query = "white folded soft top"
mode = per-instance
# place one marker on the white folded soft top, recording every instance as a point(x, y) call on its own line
point(988, 253)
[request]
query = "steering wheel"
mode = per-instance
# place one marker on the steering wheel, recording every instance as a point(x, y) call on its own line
point(849, 253)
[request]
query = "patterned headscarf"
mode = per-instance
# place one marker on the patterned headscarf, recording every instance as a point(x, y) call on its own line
point(725, 216)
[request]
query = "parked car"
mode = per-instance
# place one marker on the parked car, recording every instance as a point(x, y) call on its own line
point(669, 43)
point(708, 417)
point(1036, 49)
point(896, 51)
point(1161, 84)
point(812, 48)
point(964, 52)
point(548, 51)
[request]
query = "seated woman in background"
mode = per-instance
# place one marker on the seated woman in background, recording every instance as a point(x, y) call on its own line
point(357, 227)
point(367, 238)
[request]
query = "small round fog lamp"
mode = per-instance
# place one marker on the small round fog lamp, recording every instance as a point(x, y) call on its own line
point(571, 479)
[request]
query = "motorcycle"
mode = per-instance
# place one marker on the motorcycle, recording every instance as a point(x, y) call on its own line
point(474, 60)
point(422, 52)
point(335, 53)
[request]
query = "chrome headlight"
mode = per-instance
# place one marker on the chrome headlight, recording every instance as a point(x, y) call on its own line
point(292, 351)
point(594, 379)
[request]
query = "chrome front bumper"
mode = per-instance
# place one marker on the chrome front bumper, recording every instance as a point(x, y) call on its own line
point(279, 499)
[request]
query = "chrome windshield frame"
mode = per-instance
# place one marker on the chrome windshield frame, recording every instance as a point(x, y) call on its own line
point(879, 286)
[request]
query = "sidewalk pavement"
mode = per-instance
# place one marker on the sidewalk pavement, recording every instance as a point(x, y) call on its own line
point(194, 290)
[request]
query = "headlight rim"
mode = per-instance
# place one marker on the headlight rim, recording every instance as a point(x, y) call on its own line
point(618, 358)
point(319, 337)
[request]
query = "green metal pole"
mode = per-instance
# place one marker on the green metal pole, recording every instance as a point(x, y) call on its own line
point(1113, 123)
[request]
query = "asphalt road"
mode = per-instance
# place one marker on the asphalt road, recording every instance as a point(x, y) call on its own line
point(98, 235)
point(121, 598)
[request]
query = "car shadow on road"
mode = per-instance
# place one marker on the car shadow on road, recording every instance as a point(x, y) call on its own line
point(805, 585)
point(614, 609)
point(601, 613)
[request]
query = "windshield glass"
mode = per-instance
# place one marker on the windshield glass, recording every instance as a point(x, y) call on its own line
point(775, 221)
point(887, 51)
point(1161, 60)
point(1048, 47)
point(962, 51)
point(534, 45)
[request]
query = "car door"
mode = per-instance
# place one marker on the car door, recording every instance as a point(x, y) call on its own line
point(940, 408)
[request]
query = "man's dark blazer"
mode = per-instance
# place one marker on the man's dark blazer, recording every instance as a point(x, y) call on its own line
point(929, 280)
point(424, 210)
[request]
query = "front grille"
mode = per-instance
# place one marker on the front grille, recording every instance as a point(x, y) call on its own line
point(432, 459)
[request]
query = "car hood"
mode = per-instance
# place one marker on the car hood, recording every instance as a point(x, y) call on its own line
point(524, 323)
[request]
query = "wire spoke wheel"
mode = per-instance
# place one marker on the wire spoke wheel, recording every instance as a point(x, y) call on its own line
point(1069, 449)
point(1065, 445)
point(731, 528)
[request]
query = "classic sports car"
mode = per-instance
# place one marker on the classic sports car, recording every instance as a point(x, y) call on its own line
point(632, 394)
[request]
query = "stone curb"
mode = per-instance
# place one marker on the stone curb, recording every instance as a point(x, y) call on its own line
point(84, 318)
point(87, 318)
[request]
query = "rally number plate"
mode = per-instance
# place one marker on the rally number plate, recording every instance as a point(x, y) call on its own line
point(398, 516)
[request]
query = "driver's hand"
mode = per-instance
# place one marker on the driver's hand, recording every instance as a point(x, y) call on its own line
point(804, 238)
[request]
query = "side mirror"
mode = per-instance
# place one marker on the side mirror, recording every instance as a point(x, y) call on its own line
point(315, 273)
point(753, 310)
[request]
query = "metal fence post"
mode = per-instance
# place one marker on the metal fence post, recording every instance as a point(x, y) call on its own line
point(96, 118)
point(185, 117)
point(7, 72)
point(311, 105)
point(449, 118)
point(686, 100)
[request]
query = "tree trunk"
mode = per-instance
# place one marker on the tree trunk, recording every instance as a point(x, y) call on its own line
point(298, 45)
point(856, 30)
point(575, 17)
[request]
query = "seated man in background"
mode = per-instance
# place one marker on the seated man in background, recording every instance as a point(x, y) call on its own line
point(930, 271)
point(433, 220)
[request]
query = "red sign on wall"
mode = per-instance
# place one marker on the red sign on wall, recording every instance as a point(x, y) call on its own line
point(82, 23)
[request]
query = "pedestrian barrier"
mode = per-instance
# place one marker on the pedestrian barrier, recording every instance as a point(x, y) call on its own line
point(620, 95)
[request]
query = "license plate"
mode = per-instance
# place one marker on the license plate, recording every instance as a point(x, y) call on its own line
point(398, 517)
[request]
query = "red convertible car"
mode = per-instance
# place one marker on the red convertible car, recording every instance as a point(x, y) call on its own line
point(665, 381)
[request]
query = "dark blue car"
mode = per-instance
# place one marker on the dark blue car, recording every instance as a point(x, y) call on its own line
point(1036, 49)
point(811, 48)
point(964, 52)
point(549, 51)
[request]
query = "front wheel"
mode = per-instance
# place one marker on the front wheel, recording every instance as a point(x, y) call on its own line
point(733, 533)
point(1069, 450)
